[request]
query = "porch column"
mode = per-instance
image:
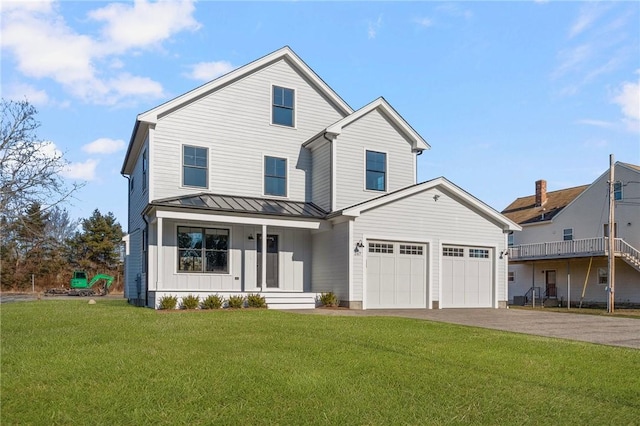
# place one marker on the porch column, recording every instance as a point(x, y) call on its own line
point(158, 268)
point(263, 277)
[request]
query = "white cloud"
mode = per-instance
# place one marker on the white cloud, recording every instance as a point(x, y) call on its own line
point(82, 171)
point(588, 15)
point(104, 146)
point(455, 10)
point(571, 59)
point(143, 24)
point(46, 47)
point(423, 22)
point(20, 92)
point(206, 71)
point(628, 98)
point(374, 27)
point(596, 123)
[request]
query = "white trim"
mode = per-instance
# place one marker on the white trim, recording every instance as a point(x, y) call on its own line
point(150, 175)
point(280, 54)
point(159, 253)
point(366, 238)
point(386, 171)
point(182, 165)
point(281, 261)
point(333, 151)
point(230, 249)
point(286, 159)
point(417, 142)
point(350, 267)
point(442, 183)
point(294, 109)
point(243, 220)
point(470, 244)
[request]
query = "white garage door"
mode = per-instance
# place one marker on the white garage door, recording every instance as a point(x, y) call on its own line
point(396, 275)
point(466, 277)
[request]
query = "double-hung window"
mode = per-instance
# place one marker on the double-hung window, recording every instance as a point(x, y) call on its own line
point(203, 250)
point(275, 176)
point(194, 166)
point(617, 191)
point(282, 111)
point(376, 171)
point(567, 234)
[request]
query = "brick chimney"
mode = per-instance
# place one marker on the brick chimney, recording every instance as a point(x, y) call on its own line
point(541, 192)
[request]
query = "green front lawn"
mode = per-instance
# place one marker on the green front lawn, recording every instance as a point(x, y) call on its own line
point(67, 362)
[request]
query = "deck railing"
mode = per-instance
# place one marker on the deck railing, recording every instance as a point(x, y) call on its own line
point(563, 249)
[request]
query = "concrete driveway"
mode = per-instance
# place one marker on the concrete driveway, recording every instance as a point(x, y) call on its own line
point(587, 328)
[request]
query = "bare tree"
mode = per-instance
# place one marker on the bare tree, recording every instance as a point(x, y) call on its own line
point(29, 168)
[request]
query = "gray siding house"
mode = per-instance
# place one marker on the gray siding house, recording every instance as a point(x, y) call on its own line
point(265, 181)
point(561, 253)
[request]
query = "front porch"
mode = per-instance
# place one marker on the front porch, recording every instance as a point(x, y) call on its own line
point(199, 246)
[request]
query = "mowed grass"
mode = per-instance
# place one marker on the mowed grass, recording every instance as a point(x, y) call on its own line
point(67, 362)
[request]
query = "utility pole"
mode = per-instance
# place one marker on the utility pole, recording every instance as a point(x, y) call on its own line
point(611, 258)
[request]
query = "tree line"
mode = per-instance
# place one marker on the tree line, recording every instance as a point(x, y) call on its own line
point(38, 237)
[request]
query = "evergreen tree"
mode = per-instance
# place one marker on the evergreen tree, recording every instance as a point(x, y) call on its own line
point(96, 248)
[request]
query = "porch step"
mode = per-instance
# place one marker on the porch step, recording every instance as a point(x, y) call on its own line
point(290, 300)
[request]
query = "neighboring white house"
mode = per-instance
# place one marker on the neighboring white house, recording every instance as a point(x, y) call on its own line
point(270, 149)
point(562, 249)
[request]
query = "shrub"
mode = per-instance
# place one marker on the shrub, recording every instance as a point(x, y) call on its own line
point(168, 302)
point(329, 299)
point(190, 302)
point(256, 301)
point(212, 301)
point(236, 302)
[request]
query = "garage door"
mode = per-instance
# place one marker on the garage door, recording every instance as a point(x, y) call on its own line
point(396, 275)
point(466, 277)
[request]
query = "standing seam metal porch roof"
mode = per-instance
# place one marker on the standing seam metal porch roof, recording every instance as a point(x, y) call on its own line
point(248, 205)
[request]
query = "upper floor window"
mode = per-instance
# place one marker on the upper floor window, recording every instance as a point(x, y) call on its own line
point(567, 234)
point(615, 230)
point(144, 170)
point(194, 166)
point(275, 176)
point(510, 239)
point(376, 171)
point(282, 110)
point(617, 191)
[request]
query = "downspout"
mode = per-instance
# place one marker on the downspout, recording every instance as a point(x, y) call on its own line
point(331, 206)
point(146, 262)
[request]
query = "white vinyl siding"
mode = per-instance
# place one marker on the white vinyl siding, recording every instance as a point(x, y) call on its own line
point(138, 200)
point(321, 176)
point(234, 122)
point(294, 260)
point(331, 253)
point(372, 132)
point(421, 220)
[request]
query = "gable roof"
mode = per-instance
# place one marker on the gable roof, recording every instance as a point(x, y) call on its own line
point(524, 210)
point(444, 185)
point(380, 104)
point(150, 117)
point(418, 144)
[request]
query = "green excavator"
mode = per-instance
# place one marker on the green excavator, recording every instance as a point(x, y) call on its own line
point(81, 286)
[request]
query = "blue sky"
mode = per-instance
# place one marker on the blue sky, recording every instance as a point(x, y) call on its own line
point(504, 92)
